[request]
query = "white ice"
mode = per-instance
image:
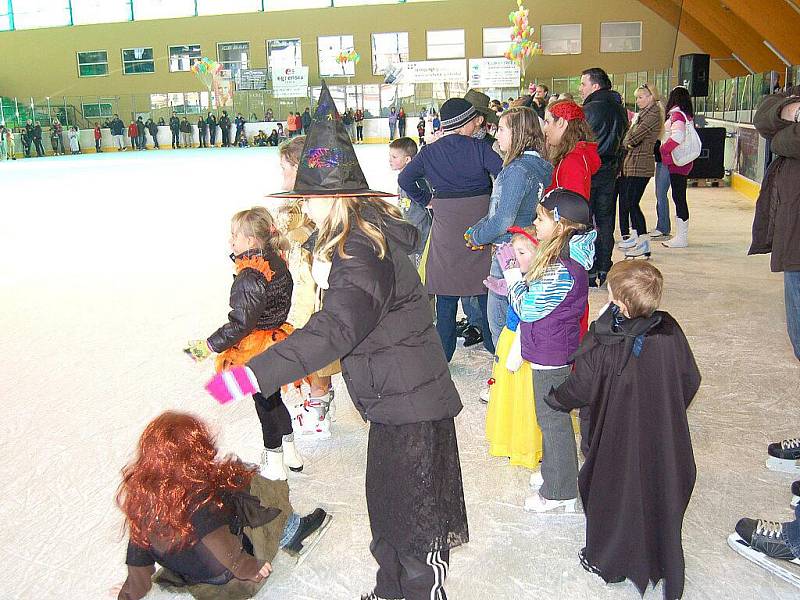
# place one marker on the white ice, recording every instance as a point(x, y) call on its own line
point(109, 263)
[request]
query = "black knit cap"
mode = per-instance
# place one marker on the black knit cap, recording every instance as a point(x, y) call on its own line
point(328, 165)
point(568, 204)
point(456, 113)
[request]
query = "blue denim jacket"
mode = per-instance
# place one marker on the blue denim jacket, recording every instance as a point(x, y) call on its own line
point(517, 190)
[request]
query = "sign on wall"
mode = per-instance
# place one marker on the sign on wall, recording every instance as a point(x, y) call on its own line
point(252, 79)
point(290, 82)
point(428, 71)
point(493, 72)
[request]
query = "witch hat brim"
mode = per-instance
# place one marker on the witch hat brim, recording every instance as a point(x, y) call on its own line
point(328, 167)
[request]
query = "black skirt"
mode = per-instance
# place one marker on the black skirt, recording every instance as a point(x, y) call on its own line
point(415, 497)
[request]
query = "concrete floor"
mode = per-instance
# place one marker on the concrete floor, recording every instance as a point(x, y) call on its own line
point(109, 263)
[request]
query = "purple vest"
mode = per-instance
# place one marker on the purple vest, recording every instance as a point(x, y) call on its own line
point(552, 340)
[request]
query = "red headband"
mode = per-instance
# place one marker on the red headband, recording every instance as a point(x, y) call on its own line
point(521, 231)
point(567, 110)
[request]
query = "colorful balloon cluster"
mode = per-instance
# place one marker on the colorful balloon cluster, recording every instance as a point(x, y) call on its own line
point(522, 46)
point(348, 56)
point(206, 69)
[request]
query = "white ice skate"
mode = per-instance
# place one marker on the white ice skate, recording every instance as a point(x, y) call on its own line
point(537, 480)
point(539, 504)
point(312, 427)
point(784, 456)
point(272, 466)
point(291, 457)
point(783, 466)
point(775, 566)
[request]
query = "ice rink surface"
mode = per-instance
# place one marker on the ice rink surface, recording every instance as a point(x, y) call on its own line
point(110, 263)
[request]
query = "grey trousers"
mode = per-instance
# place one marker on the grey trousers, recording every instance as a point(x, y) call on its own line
point(559, 458)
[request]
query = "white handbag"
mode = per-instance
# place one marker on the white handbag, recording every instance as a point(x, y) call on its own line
point(691, 146)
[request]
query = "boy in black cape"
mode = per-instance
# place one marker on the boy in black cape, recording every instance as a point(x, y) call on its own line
point(636, 371)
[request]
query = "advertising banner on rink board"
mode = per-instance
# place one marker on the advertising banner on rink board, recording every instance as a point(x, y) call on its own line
point(493, 73)
point(290, 82)
point(428, 71)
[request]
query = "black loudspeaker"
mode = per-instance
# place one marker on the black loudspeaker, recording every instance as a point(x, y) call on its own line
point(693, 74)
point(711, 162)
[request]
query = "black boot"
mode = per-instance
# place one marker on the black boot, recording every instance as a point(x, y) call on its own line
point(472, 336)
point(308, 525)
point(461, 327)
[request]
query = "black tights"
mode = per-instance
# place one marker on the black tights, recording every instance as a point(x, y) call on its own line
point(678, 185)
point(631, 191)
point(275, 419)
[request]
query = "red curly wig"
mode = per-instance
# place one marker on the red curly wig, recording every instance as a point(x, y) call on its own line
point(174, 474)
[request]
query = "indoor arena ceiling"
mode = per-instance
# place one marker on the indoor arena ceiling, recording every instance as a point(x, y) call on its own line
point(737, 33)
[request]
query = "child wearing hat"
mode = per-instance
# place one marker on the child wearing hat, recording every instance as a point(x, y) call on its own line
point(459, 169)
point(375, 317)
point(636, 372)
point(550, 300)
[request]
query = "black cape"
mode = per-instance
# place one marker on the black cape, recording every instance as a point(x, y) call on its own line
point(639, 474)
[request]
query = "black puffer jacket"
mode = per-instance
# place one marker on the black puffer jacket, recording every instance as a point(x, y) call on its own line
point(376, 317)
point(609, 121)
point(255, 302)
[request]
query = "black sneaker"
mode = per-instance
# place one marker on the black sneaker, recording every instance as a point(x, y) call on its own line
point(461, 327)
point(472, 336)
point(795, 494)
point(765, 537)
point(594, 570)
point(308, 525)
point(785, 450)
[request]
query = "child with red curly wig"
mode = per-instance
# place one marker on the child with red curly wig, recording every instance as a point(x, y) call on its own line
point(213, 524)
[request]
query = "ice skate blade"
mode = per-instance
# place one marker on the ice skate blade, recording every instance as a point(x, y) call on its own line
point(310, 543)
point(772, 565)
point(783, 466)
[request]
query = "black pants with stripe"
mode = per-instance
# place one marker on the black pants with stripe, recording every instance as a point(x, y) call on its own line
point(409, 577)
point(275, 419)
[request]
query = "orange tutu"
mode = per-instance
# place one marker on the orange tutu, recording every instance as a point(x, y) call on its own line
point(252, 345)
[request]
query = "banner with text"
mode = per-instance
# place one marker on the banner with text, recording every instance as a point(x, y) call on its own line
point(493, 73)
point(290, 82)
point(428, 71)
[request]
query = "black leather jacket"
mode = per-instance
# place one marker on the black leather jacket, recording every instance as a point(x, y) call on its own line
point(609, 121)
point(255, 302)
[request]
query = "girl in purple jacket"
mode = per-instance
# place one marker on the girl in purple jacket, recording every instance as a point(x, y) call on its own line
point(550, 301)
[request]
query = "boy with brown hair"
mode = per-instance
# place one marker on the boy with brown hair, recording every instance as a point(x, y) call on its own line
point(635, 370)
point(401, 151)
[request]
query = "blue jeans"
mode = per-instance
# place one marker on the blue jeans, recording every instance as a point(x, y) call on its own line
point(291, 527)
point(392, 130)
point(791, 532)
point(662, 202)
point(791, 291)
point(446, 311)
point(496, 306)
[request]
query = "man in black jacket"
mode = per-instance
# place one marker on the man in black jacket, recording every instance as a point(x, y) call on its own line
point(37, 139)
point(141, 138)
point(240, 121)
point(306, 121)
point(27, 138)
point(202, 132)
point(225, 126)
point(118, 133)
point(175, 128)
point(609, 121)
point(153, 129)
point(211, 121)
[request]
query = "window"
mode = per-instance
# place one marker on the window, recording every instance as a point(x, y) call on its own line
point(329, 48)
point(85, 12)
point(446, 44)
point(138, 60)
point(162, 9)
point(496, 40)
point(234, 56)
point(561, 39)
point(388, 49)
point(40, 13)
point(294, 4)
point(93, 64)
point(98, 109)
point(621, 37)
point(222, 7)
point(182, 57)
point(282, 54)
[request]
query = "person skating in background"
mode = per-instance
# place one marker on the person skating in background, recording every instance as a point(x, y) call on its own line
point(118, 133)
point(98, 135)
point(240, 123)
point(141, 137)
point(37, 138)
point(175, 129)
point(57, 136)
point(636, 372)
point(212, 523)
point(349, 124)
point(202, 131)
point(225, 127)
point(54, 141)
point(550, 301)
point(401, 152)
point(74, 140)
point(305, 121)
point(27, 138)
point(392, 123)
point(401, 122)
point(8, 137)
point(186, 133)
point(421, 130)
point(260, 298)
point(359, 121)
point(608, 119)
point(211, 122)
point(376, 316)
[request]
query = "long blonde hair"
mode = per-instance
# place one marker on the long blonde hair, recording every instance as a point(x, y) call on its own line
point(258, 223)
point(348, 212)
point(550, 251)
point(526, 132)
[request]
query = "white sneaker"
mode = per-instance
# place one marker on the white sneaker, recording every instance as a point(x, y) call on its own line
point(484, 395)
point(537, 480)
point(539, 504)
point(272, 466)
point(629, 242)
point(291, 457)
point(655, 234)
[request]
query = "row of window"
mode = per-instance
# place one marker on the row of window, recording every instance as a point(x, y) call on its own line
point(387, 49)
point(31, 14)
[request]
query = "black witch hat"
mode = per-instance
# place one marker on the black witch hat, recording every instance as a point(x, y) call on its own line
point(328, 166)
